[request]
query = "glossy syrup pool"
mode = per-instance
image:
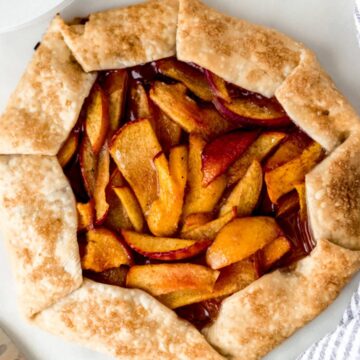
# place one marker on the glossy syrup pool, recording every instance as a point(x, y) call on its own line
point(296, 230)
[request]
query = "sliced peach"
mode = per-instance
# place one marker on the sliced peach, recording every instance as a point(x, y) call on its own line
point(164, 248)
point(104, 251)
point(139, 103)
point(245, 195)
point(178, 165)
point(97, 118)
point(167, 131)
point(241, 238)
point(210, 229)
point(172, 99)
point(88, 165)
point(116, 179)
point(292, 147)
point(102, 181)
point(220, 153)
point(115, 276)
point(164, 278)
point(164, 213)
point(131, 206)
point(115, 86)
point(133, 149)
point(236, 277)
point(283, 179)
point(198, 198)
point(192, 78)
point(218, 86)
point(258, 150)
point(74, 175)
point(287, 204)
point(68, 149)
point(85, 215)
point(251, 111)
point(194, 220)
point(300, 188)
point(274, 251)
point(117, 217)
point(232, 278)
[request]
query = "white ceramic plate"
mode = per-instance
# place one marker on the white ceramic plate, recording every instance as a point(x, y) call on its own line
point(326, 27)
point(16, 14)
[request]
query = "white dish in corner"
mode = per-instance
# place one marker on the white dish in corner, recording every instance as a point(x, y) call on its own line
point(16, 14)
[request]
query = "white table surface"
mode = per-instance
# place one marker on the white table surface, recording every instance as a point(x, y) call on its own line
point(325, 26)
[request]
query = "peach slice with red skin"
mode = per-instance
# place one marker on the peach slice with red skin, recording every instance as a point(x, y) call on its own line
point(104, 251)
point(114, 86)
point(86, 214)
point(210, 229)
point(183, 110)
point(88, 165)
point(69, 148)
point(164, 213)
point(253, 112)
point(240, 239)
point(161, 248)
point(164, 278)
point(198, 198)
point(133, 149)
point(283, 179)
point(218, 86)
point(101, 183)
point(232, 278)
point(97, 118)
point(192, 78)
point(258, 150)
point(245, 195)
point(220, 153)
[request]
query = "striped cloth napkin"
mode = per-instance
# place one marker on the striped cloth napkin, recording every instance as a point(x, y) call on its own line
point(357, 18)
point(344, 342)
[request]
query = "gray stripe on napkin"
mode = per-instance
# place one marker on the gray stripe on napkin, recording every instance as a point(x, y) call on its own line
point(344, 342)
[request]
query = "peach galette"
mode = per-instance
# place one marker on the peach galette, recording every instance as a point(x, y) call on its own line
point(178, 184)
point(187, 186)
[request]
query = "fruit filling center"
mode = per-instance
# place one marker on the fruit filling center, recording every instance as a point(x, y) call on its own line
point(187, 187)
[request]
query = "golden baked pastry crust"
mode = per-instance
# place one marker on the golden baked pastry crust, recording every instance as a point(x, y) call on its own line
point(38, 218)
point(125, 323)
point(333, 195)
point(248, 55)
point(39, 118)
point(254, 320)
point(312, 101)
point(124, 37)
point(47, 101)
